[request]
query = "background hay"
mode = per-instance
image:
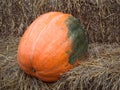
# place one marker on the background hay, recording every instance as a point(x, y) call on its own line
point(100, 19)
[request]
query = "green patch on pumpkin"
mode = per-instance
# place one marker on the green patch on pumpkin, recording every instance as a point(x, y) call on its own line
point(79, 39)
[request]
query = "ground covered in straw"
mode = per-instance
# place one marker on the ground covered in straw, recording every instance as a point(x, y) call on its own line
point(101, 70)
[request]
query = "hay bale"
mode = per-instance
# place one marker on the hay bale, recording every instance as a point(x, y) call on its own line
point(100, 18)
point(101, 71)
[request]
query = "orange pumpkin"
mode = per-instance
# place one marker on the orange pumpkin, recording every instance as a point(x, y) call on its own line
point(51, 46)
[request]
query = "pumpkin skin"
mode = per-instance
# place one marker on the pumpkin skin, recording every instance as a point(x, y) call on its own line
point(52, 45)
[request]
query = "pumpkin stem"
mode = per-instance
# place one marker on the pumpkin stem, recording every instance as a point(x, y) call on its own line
point(33, 70)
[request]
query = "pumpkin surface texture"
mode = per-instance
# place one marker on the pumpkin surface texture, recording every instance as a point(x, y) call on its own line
point(52, 45)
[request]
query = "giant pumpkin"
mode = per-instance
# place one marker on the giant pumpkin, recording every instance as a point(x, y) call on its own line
point(52, 45)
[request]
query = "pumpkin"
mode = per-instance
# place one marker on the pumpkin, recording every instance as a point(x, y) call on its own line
point(52, 45)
